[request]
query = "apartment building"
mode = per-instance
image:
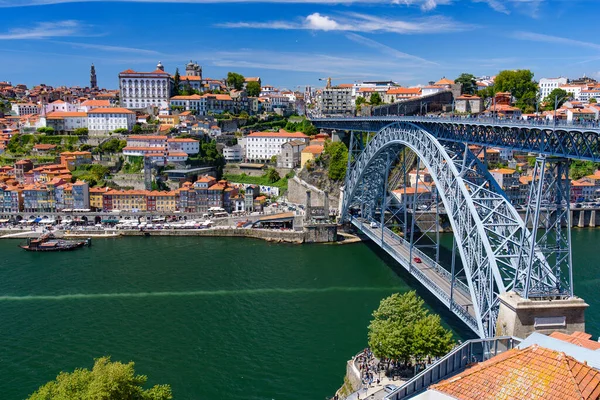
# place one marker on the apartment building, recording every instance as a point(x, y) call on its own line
point(102, 121)
point(262, 146)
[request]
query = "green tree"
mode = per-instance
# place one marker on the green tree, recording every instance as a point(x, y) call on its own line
point(402, 329)
point(253, 89)
point(520, 84)
point(593, 100)
point(176, 83)
point(235, 80)
point(337, 154)
point(375, 99)
point(468, 82)
point(137, 129)
point(274, 159)
point(81, 131)
point(48, 130)
point(272, 175)
point(557, 97)
point(107, 380)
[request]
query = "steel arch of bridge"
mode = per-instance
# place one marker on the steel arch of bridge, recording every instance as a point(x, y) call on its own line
point(492, 239)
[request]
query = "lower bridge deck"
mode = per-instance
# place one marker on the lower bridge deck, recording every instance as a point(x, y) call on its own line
point(454, 294)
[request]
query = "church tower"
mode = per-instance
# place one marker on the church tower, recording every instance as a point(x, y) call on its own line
point(93, 80)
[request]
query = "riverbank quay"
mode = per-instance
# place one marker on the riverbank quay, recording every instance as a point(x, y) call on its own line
point(366, 379)
point(322, 234)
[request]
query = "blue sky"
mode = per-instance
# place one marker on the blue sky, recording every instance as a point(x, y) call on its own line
point(291, 43)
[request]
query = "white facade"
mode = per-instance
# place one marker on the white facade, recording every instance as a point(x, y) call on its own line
point(547, 85)
point(25, 108)
point(261, 146)
point(67, 121)
point(105, 120)
point(233, 153)
point(145, 89)
point(586, 95)
point(60, 106)
point(90, 105)
point(427, 90)
point(573, 90)
point(190, 103)
point(188, 146)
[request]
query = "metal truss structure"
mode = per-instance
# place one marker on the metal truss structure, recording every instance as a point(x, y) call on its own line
point(562, 140)
point(497, 252)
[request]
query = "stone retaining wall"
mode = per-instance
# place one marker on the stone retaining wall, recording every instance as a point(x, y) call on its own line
point(268, 235)
point(297, 189)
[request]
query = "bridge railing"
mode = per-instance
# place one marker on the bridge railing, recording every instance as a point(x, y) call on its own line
point(441, 294)
point(440, 270)
point(464, 355)
point(541, 123)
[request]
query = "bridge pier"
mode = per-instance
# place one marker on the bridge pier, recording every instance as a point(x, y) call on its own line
point(520, 317)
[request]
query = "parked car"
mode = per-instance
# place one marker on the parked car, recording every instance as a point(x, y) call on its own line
point(390, 388)
point(417, 260)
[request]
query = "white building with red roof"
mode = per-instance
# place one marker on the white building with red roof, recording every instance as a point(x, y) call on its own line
point(102, 121)
point(60, 106)
point(145, 89)
point(262, 146)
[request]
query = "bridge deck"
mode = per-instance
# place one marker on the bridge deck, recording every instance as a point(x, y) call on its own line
point(431, 274)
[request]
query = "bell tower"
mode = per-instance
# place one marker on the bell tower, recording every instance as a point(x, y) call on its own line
point(93, 80)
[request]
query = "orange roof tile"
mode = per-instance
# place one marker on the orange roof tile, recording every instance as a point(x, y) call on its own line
point(280, 134)
point(314, 149)
point(96, 103)
point(116, 110)
point(532, 373)
point(400, 90)
point(578, 338)
point(65, 114)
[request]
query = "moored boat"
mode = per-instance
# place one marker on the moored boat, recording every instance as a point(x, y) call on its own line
point(48, 242)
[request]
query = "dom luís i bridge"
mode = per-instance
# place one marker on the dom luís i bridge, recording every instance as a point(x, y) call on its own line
point(508, 276)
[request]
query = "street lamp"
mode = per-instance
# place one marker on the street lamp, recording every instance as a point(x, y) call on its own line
point(556, 106)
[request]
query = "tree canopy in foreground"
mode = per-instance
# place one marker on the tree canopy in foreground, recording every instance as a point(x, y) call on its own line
point(106, 381)
point(402, 329)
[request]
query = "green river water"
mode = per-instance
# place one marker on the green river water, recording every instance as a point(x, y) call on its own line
point(216, 318)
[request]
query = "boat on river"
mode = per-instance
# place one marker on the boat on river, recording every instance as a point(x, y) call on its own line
point(48, 242)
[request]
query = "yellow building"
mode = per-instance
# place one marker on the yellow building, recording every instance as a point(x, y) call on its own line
point(310, 153)
point(124, 200)
point(166, 201)
point(170, 120)
point(96, 198)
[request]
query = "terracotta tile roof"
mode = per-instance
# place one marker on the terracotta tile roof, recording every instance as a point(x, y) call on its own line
point(65, 114)
point(445, 81)
point(96, 103)
point(181, 140)
point(504, 171)
point(192, 97)
point(44, 146)
point(314, 149)
point(116, 110)
point(578, 338)
point(280, 134)
point(147, 137)
point(400, 90)
point(412, 190)
point(532, 373)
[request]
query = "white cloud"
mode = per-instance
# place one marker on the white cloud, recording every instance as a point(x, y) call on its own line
point(102, 47)
point(323, 23)
point(325, 64)
point(387, 50)
point(356, 22)
point(44, 30)
point(538, 37)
